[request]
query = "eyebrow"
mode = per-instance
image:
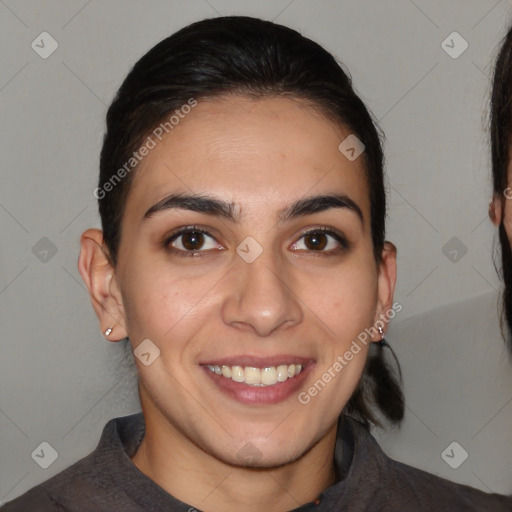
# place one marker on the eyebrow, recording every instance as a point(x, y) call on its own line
point(220, 208)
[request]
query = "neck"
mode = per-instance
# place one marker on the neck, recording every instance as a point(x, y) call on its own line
point(195, 477)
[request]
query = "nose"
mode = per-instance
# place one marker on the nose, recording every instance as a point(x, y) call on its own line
point(261, 297)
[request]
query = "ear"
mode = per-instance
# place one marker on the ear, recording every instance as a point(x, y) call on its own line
point(496, 210)
point(100, 278)
point(385, 285)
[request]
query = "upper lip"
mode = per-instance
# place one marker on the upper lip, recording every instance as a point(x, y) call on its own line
point(258, 361)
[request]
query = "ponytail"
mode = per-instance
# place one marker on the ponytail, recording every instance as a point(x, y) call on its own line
point(380, 386)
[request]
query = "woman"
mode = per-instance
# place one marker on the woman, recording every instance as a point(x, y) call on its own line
point(243, 255)
point(500, 209)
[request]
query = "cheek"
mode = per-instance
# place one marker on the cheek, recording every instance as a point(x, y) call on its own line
point(345, 300)
point(157, 302)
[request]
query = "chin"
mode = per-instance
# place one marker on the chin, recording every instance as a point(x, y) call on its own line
point(250, 457)
point(262, 453)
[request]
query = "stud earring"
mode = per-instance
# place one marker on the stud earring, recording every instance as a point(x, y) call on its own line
point(108, 331)
point(382, 342)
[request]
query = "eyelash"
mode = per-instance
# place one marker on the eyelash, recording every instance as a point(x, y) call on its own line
point(342, 241)
point(183, 231)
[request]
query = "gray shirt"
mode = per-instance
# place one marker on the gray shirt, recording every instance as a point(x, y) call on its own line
point(367, 480)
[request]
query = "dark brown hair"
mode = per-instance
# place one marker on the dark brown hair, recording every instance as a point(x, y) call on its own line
point(500, 135)
point(242, 55)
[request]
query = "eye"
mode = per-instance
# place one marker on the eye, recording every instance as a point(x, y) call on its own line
point(191, 240)
point(321, 240)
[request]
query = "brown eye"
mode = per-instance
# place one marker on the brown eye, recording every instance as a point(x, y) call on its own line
point(321, 240)
point(193, 240)
point(315, 241)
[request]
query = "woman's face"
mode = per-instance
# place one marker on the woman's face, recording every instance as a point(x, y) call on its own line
point(270, 264)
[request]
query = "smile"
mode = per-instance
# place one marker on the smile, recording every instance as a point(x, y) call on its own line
point(260, 377)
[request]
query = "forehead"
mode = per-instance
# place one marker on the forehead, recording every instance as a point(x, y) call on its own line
point(262, 153)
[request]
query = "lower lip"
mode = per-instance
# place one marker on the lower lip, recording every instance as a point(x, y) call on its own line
point(247, 394)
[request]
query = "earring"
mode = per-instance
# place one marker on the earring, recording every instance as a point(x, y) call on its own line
point(382, 342)
point(108, 331)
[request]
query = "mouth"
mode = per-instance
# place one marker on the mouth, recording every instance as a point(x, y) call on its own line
point(253, 376)
point(259, 381)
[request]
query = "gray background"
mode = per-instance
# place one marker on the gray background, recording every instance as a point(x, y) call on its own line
point(60, 381)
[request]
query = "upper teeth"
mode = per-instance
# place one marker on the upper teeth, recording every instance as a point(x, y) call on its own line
point(267, 376)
